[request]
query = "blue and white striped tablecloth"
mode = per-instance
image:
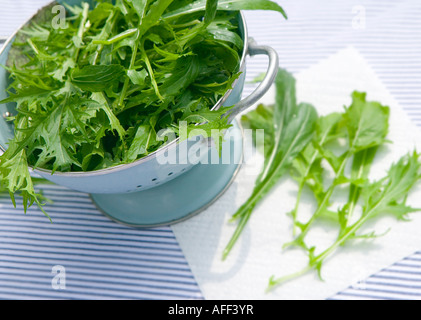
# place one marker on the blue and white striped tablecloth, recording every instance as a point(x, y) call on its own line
point(104, 260)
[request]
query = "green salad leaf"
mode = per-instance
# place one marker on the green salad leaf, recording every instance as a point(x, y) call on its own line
point(307, 168)
point(97, 78)
point(363, 134)
point(383, 197)
point(229, 5)
point(360, 171)
point(293, 128)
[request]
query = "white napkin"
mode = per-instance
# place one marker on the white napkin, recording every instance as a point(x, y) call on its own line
point(258, 254)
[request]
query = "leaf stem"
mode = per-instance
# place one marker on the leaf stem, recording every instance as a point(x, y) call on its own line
point(263, 186)
point(151, 74)
point(319, 259)
point(241, 225)
point(363, 159)
point(111, 23)
point(117, 38)
point(322, 206)
point(81, 30)
point(132, 63)
point(275, 282)
point(303, 181)
point(294, 213)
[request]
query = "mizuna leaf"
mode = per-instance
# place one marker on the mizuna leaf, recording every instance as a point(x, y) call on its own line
point(361, 166)
point(363, 133)
point(229, 5)
point(97, 78)
point(308, 166)
point(137, 77)
point(210, 13)
point(141, 142)
point(294, 128)
point(383, 197)
point(140, 6)
point(15, 177)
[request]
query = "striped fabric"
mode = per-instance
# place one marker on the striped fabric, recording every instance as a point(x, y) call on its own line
point(104, 260)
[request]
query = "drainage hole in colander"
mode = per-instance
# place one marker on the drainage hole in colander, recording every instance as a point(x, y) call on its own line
point(155, 179)
point(139, 186)
point(171, 173)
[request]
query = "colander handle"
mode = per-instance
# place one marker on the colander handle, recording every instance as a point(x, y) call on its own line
point(253, 50)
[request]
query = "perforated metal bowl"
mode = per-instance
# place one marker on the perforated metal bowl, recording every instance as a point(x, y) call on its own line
point(147, 172)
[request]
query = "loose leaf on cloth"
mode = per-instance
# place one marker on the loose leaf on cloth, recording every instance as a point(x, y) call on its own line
point(363, 133)
point(307, 168)
point(383, 197)
point(361, 166)
point(294, 127)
